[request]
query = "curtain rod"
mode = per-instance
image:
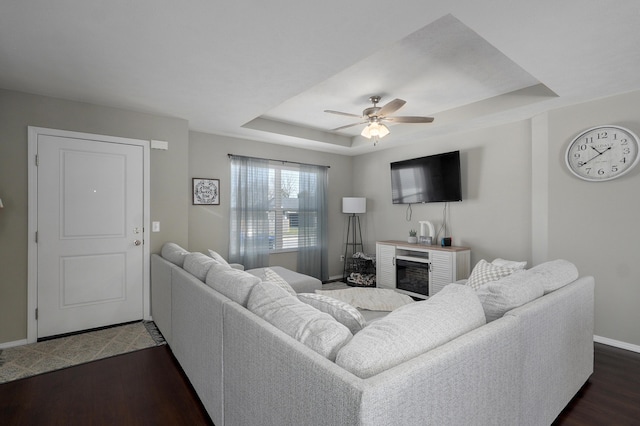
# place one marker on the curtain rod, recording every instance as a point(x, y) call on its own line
point(279, 161)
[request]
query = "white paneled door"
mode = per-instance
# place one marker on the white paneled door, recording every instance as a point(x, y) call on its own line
point(90, 213)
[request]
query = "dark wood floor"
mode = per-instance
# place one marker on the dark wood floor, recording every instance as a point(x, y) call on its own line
point(148, 387)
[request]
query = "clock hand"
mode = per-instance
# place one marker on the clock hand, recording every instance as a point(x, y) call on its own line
point(594, 148)
point(595, 156)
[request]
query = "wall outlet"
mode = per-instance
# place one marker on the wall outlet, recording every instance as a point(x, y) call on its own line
point(342, 258)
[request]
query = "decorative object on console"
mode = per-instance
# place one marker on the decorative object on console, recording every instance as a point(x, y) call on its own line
point(424, 238)
point(352, 206)
point(412, 237)
point(206, 191)
point(603, 153)
point(446, 242)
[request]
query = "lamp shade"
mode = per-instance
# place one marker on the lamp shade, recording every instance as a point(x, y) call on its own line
point(354, 205)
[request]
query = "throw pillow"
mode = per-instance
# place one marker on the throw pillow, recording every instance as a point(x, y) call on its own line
point(509, 264)
point(174, 253)
point(314, 329)
point(198, 264)
point(272, 276)
point(485, 272)
point(555, 274)
point(221, 260)
point(412, 330)
point(343, 312)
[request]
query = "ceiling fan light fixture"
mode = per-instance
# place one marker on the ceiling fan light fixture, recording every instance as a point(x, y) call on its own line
point(375, 130)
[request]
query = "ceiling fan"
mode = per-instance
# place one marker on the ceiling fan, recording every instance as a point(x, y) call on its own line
point(375, 116)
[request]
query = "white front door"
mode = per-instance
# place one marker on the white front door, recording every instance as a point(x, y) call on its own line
point(90, 219)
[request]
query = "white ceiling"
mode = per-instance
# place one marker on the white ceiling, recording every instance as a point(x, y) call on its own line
point(267, 70)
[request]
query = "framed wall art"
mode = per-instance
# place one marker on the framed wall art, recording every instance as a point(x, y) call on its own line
point(206, 191)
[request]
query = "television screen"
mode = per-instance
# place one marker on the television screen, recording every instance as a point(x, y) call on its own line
point(435, 178)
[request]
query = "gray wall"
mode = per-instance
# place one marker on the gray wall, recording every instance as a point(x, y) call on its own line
point(169, 185)
point(209, 225)
point(494, 218)
point(595, 224)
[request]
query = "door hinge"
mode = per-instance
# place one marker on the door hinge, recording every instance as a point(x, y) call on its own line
point(36, 237)
point(36, 313)
point(37, 160)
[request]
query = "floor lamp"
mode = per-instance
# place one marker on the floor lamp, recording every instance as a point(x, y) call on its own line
point(352, 206)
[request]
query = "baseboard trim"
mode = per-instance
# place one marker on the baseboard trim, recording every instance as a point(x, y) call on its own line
point(6, 345)
point(616, 343)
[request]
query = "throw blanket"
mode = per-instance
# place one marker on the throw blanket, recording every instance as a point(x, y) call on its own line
point(372, 299)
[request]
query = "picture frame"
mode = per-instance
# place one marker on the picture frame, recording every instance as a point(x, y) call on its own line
point(206, 191)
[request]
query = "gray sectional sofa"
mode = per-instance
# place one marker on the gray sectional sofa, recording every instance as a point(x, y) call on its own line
point(436, 362)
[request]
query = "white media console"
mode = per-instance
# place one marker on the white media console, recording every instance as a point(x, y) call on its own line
point(420, 270)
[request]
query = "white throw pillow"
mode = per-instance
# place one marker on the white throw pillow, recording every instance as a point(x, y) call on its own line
point(216, 256)
point(343, 312)
point(510, 264)
point(316, 330)
point(271, 276)
point(555, 274)
point(485, 272)
point(412, 330)
point(510, 292)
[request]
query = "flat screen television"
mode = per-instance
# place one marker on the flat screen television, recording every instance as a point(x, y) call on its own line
point(431, 179)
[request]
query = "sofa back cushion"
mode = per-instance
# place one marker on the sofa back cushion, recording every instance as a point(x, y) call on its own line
point(198, 264)
point(555, 274)
point(343, 312)
point(317, 330)
point(412, 330)
point(174, 253)
point(508, 293)
point(233, 283)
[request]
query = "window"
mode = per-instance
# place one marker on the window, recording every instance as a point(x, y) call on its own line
point(284, 207)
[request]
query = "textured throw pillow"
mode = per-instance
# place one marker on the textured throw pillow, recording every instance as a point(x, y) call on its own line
point(343, 312)
point(412, 330)
point(233, 283)
point(314, 329)
point(510, 264)
point(272, 276)
point(221, 260)
point(198, 264)
point(485, 272)
point(174, 253)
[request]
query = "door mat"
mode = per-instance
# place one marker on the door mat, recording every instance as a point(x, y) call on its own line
point(41, 357)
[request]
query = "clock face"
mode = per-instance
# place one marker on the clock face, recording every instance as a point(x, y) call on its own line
point(603, 153)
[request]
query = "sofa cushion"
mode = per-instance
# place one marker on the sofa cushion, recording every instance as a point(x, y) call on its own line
point(233, 283)
point(508, 293)
point(412, 330)
point(343, 312)
point(317, 330)
point(301, 283)
point(216, 256)
point(198, 264)
point(271, 276)
point(555, 274)
point(485, 272)
point(174, 253)
point(513, 264)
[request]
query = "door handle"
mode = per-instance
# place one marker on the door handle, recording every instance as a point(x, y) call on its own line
point(137, 242)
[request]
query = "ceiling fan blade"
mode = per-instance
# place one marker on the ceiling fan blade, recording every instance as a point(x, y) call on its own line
point(408, 119)
point(349, 125)
point(342, 113)
point(391, 107)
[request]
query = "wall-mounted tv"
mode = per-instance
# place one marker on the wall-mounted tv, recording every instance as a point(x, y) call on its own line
point(431, 179)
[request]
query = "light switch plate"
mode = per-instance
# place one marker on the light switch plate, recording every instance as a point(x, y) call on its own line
point(155, 226)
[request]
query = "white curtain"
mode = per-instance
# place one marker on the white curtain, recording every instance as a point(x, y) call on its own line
point(312, 232)
point(249, 222)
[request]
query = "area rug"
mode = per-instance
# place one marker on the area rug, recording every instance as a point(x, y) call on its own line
point(41, 357)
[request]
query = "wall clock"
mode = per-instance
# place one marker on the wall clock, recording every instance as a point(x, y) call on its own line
point(603, 153)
